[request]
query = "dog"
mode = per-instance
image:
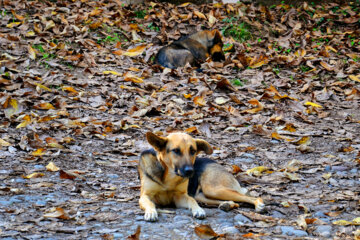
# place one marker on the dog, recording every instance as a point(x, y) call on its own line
point(171, 173)
point(193, 49)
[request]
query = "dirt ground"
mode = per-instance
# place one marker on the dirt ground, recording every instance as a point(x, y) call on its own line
point(79, 91)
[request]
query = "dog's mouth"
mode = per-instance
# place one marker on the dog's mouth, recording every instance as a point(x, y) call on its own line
point(186, 171)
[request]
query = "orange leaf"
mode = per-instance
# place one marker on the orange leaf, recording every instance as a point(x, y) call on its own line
point(26, 121)
point(191, 129)
point(236, 169)
point(136, 235)
point(135, 51)
point(199, 100)
point(248, 235)
point(58, 213)
point(44, 106)
point(327, 66)
point(69, 89)
point(199, 14)
point(67, 175)
point(38, 152)
point(205, 232)
point(310, 220)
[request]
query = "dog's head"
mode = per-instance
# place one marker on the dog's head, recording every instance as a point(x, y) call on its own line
point(216, 51)
point(178, 151)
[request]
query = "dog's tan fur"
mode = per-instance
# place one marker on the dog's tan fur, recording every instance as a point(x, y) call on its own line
point(164, 178)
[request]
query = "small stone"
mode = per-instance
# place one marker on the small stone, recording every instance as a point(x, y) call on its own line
point(354, 170)
point(230, 230)
point(291, 231)
point(327, 168)
point(319, 214)
point(323, 231)
point(277, 214)
point(240, 219)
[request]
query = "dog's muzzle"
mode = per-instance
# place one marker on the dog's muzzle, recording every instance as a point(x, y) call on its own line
point(186, 171)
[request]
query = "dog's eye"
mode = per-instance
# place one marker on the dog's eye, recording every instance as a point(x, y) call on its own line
point(176, 151)
point(192, 151)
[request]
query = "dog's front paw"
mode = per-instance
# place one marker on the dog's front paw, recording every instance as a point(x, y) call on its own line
point(151, 215)
point(228, 205)
point(259, 205)
point(199, 213)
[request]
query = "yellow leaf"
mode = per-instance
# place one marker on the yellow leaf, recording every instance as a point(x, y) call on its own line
point(43, 87)
point(112, 72)
point(354, 78)
point(313, 104)
point(55, 145)
point(26, 121)
point(342, 222)
point(44, 106)
point(135, 51)
point(34, 175)
point(69, 89)
point(14, 104)
point(199, 14)
point(13, 24)
point(38, 152)
point(187, 95)
point(184, 4)
point(356, 221)
point(52, 167)
point(303, 140)
point(30, 34)
point(129, 77)
point(32, 53)
point(326, 176)
point(285, 204)
point(4, 143)
point(256, 170)
point(292, 176)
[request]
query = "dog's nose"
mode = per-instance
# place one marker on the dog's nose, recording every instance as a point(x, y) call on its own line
point(188, 171)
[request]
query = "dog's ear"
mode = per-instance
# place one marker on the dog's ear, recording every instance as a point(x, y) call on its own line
point(217, 36)
point(203, 145)
point(158, 143)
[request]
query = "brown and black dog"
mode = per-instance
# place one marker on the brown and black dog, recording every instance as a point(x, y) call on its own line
point(172, 174)
point(193, 49)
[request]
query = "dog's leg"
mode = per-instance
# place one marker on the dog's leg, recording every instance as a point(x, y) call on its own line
point(185, 201)
point(149, 207)
point(233, 195)
point(223, 205)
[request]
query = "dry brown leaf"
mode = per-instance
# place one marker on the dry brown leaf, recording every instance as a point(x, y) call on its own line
point(57, 213)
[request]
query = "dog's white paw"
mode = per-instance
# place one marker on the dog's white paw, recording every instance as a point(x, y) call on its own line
point(199, 213)
point(259, 205)
point(151, 215)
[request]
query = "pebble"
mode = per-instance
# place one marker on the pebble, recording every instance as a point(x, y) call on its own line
point(319, 214)
point(230, 230)
point(323, 231)
point(354, 170)
point(277, 214)
point(291, 231)
point(240, 219)
point(240, 160)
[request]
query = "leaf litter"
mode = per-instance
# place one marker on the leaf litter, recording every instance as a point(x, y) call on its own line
point(79, 91)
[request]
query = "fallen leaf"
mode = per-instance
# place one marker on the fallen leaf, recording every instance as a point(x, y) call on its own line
point(135, 51)
point(205, 232)
point(136, 235)
point(34, 175)
point(57, 213)
point(38, 152)
point(4, 143)
point(256, 171)
point(52, 167)
point(342, 222)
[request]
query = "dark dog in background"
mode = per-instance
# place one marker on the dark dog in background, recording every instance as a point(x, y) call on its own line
point(193, 49)
point(172, 174)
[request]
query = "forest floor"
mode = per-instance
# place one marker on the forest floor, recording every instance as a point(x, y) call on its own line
point(79, 90)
